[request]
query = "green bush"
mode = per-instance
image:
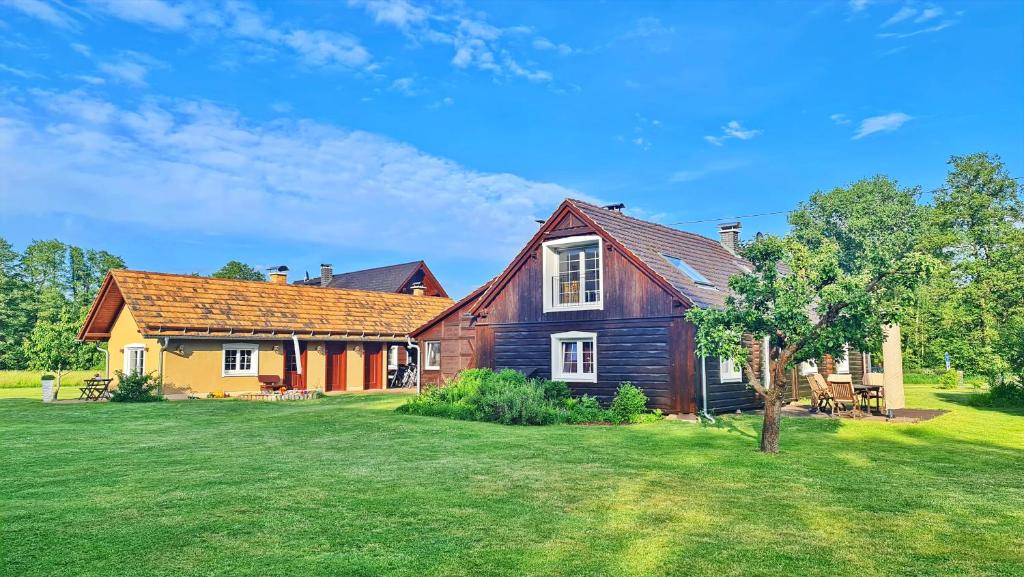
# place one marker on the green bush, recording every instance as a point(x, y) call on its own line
point(584, 409)
point(629, 404)
point(949, 380)
point(1005, 394)
point(135, 388)
point(508, 397)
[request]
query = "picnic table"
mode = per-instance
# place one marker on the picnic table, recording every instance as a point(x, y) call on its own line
point(867, 391)
point(95, 389)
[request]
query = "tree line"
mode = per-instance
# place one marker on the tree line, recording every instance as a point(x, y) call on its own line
point(45, 294)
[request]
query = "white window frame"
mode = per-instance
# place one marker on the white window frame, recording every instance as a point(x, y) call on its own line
point(556, 357)
point(426, 356)
point(549, 251)
point(842, 365)
point(393, 356)
point(254, 369)
point(808, 367)
point(729, 371)
point(128, 350)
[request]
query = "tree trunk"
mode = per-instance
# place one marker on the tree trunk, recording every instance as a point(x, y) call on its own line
point(772, 420)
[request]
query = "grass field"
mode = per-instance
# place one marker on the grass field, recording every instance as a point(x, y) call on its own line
point(28, 379)
point(346, 486)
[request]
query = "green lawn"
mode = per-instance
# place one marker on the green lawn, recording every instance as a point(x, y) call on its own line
point(346, 486)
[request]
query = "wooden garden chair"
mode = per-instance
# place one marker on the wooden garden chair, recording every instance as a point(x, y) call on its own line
point(821, 397)
point(844, 399)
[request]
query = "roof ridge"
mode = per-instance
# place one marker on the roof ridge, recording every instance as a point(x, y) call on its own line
point(614, 214)
point(268, 284)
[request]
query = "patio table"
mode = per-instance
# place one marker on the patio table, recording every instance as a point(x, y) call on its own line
point(94, 389)
point(867, 391)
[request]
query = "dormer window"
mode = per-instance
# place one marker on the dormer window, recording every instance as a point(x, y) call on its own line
point(690, 272)
point(573, 278)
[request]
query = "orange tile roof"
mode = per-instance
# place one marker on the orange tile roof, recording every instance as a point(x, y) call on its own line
point(180, 305)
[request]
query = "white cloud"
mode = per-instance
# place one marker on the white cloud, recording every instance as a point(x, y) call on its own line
point(839, 118)
point(129, 68)
point(655, 35)
point(405, 86)
point(902, 14)
point(399, 13)
point(19, 72)
point(190, 167)
point(642, 142)
point(541, 43)
point(937, 28)
point(89, 79)
point(155, 13)
point(476, 43)
point(82, 49)
point(884, 123)
point(732, 130)
point(929, 13)
point(41, 10)
point(281, 107)
point(859, 5)
point(322, 48)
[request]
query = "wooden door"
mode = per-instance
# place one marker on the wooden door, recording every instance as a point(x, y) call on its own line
point(336, 367)
point(292, 378)
point(373, 369)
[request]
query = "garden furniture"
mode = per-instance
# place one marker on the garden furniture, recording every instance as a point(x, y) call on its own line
point(95, 389)
point(821, 398)
point(844, 399)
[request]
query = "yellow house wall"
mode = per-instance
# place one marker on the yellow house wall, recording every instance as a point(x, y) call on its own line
point(198, 366)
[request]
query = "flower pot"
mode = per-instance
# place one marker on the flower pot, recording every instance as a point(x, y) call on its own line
point(47, 390)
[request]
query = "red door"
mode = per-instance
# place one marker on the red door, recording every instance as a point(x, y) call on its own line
point(374, 359)
point(335, 367)
point(292, 378)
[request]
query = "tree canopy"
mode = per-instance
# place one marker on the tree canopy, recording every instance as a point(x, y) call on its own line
point(238, 270)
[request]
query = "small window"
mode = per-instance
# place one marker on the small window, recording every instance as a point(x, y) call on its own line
point(842, 365)
point(689, 271)
point(240, 360)
point(433, 355)
point(808, 368)
point(574, 357)
point(393, 357)
point(729, 371)
point(134, 359)
point(572, 274)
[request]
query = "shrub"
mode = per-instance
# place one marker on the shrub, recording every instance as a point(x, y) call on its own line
point(508, 397)
point(949, 380)
point(629, 403)
point(135, 388)
point(1005, 394)
point(584, 409)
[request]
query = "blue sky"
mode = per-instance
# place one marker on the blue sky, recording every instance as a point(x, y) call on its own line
point(184, 134)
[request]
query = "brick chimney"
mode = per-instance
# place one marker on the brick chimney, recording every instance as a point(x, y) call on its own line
point(729, 236)
point(279, 274)
point(418, 289)
point(326, 274)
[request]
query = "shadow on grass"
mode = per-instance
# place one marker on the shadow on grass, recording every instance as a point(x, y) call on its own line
point(975, 400)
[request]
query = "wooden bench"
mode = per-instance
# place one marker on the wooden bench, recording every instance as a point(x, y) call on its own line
point(269, 383)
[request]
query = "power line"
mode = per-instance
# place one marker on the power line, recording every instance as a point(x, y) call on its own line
point(729, 217)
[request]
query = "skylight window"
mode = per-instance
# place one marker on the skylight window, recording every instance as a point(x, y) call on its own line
point(688, 270)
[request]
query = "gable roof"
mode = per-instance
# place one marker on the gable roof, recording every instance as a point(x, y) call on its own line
point(646, 244)
point(652, 242)
point(471, 298)
point(391, 278)
point(180, 305)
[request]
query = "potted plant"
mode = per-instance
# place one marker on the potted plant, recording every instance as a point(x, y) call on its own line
point(47, 381)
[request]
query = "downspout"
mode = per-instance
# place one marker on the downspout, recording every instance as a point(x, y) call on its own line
point(410, 344)
point(164, 343)
point(106, 361)
point(704, 388)
point(298, 355)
